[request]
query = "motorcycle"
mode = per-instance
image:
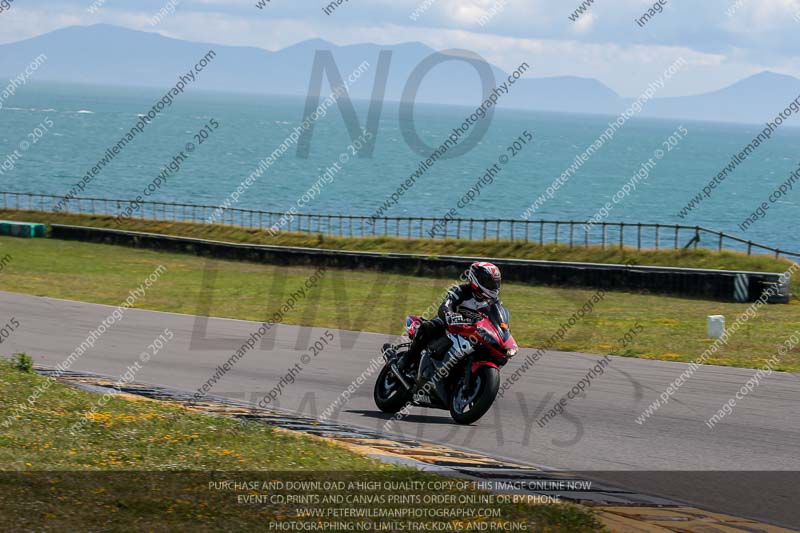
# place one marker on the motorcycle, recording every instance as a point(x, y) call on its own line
point(459, 371)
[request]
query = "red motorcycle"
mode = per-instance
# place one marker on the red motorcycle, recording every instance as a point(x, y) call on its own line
point(459, 372)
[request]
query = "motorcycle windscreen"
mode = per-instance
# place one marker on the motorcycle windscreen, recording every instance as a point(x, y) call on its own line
point(499, 316)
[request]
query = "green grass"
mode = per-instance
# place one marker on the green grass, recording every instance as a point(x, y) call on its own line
point(673, 328)
point(145, 465)
point(699, 258)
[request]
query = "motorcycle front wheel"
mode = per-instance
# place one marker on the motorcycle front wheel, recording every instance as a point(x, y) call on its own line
point(390, 395)
point(467, 406)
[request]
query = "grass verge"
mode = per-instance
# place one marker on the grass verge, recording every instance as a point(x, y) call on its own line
point(670, 328)
point(145, 465)
point(699, 258)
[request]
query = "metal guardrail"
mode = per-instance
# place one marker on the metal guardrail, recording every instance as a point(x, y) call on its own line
point(571, 233)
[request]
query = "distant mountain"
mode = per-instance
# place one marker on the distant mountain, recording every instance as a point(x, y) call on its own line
point(103, 54)
point(755, 99)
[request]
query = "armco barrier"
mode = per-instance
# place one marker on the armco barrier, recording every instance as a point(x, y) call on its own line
point(726, 285)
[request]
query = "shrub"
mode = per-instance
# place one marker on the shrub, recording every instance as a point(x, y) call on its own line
point(23, 363)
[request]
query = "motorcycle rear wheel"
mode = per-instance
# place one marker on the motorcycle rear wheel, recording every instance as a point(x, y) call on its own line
point(389, 394)
point(468, 407)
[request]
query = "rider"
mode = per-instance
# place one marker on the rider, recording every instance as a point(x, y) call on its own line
point(481, 290)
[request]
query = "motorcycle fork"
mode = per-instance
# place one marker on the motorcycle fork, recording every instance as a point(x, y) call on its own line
point(468, 380)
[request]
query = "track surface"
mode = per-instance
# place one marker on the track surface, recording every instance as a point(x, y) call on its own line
point(597, 433)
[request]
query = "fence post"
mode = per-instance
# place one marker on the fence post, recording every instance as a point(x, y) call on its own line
point(749, 247)
point(527, 227)
point(556, 241)
point(586, 235)
point(470, 228)
point(721, 236)
point(498, 229)
point(658, 227)
point(621, 237)
point(603, 245)
point(541, 233)
point(571, 231)
point(676, 236)
point(639, 237)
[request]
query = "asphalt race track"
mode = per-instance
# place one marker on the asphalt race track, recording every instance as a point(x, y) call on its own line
point(754, 453)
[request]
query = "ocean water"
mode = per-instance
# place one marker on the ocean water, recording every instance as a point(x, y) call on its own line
point(86, 121)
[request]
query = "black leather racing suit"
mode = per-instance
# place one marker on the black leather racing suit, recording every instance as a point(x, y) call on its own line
point(458, 296)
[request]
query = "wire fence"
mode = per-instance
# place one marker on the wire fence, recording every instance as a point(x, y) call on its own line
point(543, 232)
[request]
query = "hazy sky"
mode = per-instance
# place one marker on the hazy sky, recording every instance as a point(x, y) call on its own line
point(723, 40)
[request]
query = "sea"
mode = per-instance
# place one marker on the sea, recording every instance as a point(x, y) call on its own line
point(66, 129)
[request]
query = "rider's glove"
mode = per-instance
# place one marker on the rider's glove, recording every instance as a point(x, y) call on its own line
point(454, 319)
